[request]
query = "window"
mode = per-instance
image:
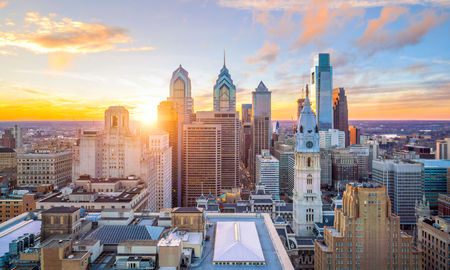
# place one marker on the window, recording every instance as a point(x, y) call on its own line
point(114, 121)
point(309, 162)
point(309, 179)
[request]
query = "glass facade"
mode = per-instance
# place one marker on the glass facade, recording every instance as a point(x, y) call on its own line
point(321, 91)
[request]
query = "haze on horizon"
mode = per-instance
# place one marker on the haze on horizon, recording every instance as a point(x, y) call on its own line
point(70, 60)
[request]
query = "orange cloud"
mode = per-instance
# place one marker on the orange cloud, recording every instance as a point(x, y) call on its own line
point(376, 38)
point(46, 35)
point(3, 4)
point(319, 18)
point(267, 54)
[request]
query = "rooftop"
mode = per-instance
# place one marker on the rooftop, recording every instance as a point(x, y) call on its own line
point(61, 209)
point(8, 234)
point(187, 210)
point(434, 163)
point(115, 234)
point(272, 248)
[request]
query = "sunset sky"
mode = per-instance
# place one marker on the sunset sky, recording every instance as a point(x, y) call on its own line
point(69, 60)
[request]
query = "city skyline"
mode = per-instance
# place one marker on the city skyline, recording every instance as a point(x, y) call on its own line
point(71, 60)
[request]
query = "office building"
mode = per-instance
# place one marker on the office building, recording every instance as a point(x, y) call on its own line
point(291, 174)
point(340, 113)
point(116, 153)
point(8, 158)
point(443, 149)
point(307, 199)
point(246, 133)
point(246, 111)
point(230, 130)
point(344, 167)
point(158, 146)
point(434, 241)
point(435, 179)
point(16, 204)
point(404, 185)
point(365, 235)
point(202, 171)
point(180, 94)
point(362, 158)
point(321, 91)
point(326, 172)
point(282, 153)
point(261, 122)
point(44, 167)
point(332, 138)
point(354, 135)
point(267, 173)
point(168, 121)
point(8, 139)
point(444, 204)
point(224, 91)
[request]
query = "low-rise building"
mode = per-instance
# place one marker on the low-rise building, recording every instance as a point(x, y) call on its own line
point(57, 254)
point(16, 204)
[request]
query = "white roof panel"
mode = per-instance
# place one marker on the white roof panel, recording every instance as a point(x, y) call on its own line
point(237, 242)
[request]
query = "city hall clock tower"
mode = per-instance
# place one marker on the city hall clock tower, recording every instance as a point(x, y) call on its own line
point(307, 195)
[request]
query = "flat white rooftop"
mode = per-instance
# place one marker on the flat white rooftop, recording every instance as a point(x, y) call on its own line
point(237, 241)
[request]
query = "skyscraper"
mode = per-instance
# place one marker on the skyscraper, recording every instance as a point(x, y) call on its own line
point(180, 94)
point(246, 133)
point(261, 122)
point(230, 127)
point(321, 91)
point(404, 184)
point(158, 146)
point(354, 135)
point(224, 91)
point(171, 118)
point(307, 201)
point(168, 121)
point(443, 149)
point(267, 173)
point(340, 113)
point(365, 235)
point(201, 161)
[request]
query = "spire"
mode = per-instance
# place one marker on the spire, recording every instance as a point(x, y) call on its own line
point(224, 58)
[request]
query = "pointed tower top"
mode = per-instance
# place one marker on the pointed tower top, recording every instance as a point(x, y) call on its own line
point(224, 64)
point(261, 87)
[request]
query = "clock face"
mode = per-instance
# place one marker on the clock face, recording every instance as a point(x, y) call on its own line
point(309, 144)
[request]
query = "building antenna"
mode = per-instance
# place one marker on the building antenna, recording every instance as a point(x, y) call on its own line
point(224, 58)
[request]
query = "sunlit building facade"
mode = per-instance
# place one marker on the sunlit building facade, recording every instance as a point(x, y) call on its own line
point(267, 173)
point(366, 235)
point(201, 161)
point(340, 113)
point(321, 90)
point(224, 92)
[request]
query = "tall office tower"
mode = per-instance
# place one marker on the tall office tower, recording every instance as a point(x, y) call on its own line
point(434, 241)
point(404, 183)
point(321, 91)
point(365, 235)
point(354, 135)
point(17, 133)
point(283, 152)
point(159, 148)
point(373, 152)
point(344, 167)
point(202, 161)
point(261, 122)
point(88, 155)
point(44, 167)
point(180, 94)
point(340, 113)
point(362, 158)
point(435, 179)
point(246, 111)
point(443, 149)
point(168, 121)
point(307, 200)
point(224, 91)
point(332, 138)
point(116, 153)
point(230, 130)
point(291, 174)
point(326, 172)
point(246, 133)
point(267, 173)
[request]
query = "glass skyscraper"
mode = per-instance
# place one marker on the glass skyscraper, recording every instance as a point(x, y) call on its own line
point(321, 91)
